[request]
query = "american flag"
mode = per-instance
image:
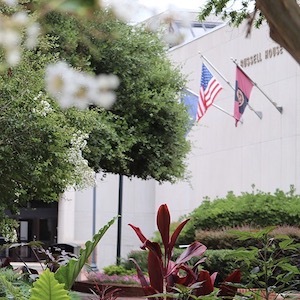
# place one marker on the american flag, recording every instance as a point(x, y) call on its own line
point(209, 89)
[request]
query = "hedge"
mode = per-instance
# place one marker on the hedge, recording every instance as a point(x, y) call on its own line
point(258, 209)
point(216, 261)
point(223, 239)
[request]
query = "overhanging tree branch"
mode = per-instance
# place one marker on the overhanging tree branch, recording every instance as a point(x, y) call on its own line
point(283, 17)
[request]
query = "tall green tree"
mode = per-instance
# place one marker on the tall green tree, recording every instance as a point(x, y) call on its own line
point(143, 134)
point(39, 150)
point(283, 17)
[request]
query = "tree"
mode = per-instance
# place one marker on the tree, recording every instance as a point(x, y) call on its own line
point(41, 144)
point(143, 134)
point(283, 17)
point(39, 147)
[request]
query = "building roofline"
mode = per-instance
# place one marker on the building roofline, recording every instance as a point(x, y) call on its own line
point(199, 37)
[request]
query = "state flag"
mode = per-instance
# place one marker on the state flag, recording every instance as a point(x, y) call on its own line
point(243, 88)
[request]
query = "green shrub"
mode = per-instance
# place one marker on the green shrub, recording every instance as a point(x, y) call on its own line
point(220, 261)
point(253, 209)
point(222, 239)
point(273, 262)
point(216, 261)
point(140, 256)
point(118, 270)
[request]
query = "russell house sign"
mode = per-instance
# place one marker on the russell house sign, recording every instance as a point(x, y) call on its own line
point(260, 56)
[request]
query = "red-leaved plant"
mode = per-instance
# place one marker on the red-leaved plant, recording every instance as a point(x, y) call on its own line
point(165, 275)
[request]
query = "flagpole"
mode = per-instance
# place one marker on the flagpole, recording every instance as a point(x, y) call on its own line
point(279, 108)
point(224, 111)
point(216, 106)
point(258, 113)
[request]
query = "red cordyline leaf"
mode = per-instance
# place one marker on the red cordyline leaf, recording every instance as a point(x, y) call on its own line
point(213, 277)
point(188, 279)
point(154, 247)
point(207, 285)
point(138, 233)
point(200, 261)
point(234, 277)
point(227, 290)
point(194, 249)
point(174, 237)
point(148, 290)
point(140, 274)
point(163, 220)
point(155, 269)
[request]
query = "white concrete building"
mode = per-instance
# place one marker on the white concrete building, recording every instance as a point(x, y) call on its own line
point(264, 152)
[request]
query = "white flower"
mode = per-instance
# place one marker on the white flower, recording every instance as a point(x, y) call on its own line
point(43, 108)
point(13, 56)
point(32, 32)
point(20, 18)
point(74, 88)
point(124, 10)
point(106, 99)
point(173, 38)
point(10, 2)
point(84, 175)
point(60, 81)
point(9, 234)
point(82, 95)
point(10, 38)
point(11, 31)
point(107, 82)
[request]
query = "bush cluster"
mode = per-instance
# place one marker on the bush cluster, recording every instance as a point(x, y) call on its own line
point(216, 261)
point(258, 209)
point(118, 270)
point(211, 222)
point(223, 239)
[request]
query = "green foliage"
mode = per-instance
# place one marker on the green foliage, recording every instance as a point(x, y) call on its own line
point(221, 262)
point(235, 14)
point(271, 257)
point(117, 270)
point(81, 7)
point(141, 257)
point(258, 209)
point(143, 134)
point(223, 239)
point(49, 285)
point(68, 273)
point(48, 288)
point(34, 142)
point(13, 285)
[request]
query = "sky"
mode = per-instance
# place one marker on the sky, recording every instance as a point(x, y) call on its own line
point(162, 5)
point(152, 7)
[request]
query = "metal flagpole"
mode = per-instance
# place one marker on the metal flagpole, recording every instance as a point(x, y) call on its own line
point(119, 233)
point(226, 112)
point(279, 108)
point(258, 113)
point(216, 106)
point(93, 262)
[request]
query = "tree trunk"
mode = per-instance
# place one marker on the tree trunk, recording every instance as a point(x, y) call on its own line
point(283, 17)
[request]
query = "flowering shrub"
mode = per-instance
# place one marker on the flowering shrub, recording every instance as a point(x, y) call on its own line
point(104, 278)
point(8, 230)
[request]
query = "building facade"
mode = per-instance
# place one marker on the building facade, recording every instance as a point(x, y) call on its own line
point(261, 152)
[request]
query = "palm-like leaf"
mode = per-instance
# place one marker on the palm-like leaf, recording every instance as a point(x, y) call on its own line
point(67, 274)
